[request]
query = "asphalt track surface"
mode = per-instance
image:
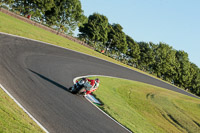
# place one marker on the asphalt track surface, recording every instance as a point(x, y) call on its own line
point(38, 76)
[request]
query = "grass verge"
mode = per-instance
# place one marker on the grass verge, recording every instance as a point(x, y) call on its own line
point(144, 108)
point(15, 26)
point(13, 119)
point(140, 107)
point(11, 25)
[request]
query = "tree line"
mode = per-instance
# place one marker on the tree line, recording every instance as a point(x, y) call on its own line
point(64, 15)
point(160, 59)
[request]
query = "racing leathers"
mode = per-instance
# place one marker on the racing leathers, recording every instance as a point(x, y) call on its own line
point(94, 85)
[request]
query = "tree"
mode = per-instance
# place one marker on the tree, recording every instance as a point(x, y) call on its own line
point(183, 78)
point(133, 51)
point(96, 29)
point(147, 58)
point(195, 82)
point(165, 62)
point(40, 7)
point(21, 6)
point(36, 8)
point(7, 2)
point(66, 15)
point(116, 39)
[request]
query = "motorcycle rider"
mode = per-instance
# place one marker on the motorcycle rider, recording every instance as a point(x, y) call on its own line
point(94, 84)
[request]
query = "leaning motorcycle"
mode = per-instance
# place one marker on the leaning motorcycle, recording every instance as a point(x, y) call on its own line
point(80, 87)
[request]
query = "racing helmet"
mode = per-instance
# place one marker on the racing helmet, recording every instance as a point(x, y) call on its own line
point(97, 80)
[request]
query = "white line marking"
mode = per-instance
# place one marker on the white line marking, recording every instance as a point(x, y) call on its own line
point(74, 81)
point(1, 86)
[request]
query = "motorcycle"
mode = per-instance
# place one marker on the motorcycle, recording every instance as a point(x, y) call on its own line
point(80, 87)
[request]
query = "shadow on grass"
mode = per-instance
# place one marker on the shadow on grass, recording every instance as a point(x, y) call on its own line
point(49, 80)
point(98, 100)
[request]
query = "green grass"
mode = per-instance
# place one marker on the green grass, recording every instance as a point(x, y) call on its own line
point(145, 108)
point(15, 26)
point(13, 119)
point(140, 107)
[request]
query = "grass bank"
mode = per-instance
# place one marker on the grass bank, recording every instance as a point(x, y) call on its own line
point(140, 107)
point(145, 108)
point(13, 119)
point(15, 26)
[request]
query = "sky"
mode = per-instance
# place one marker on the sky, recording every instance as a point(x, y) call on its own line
point(174, 22)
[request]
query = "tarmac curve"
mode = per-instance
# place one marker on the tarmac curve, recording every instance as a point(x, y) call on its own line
point(37, 75)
